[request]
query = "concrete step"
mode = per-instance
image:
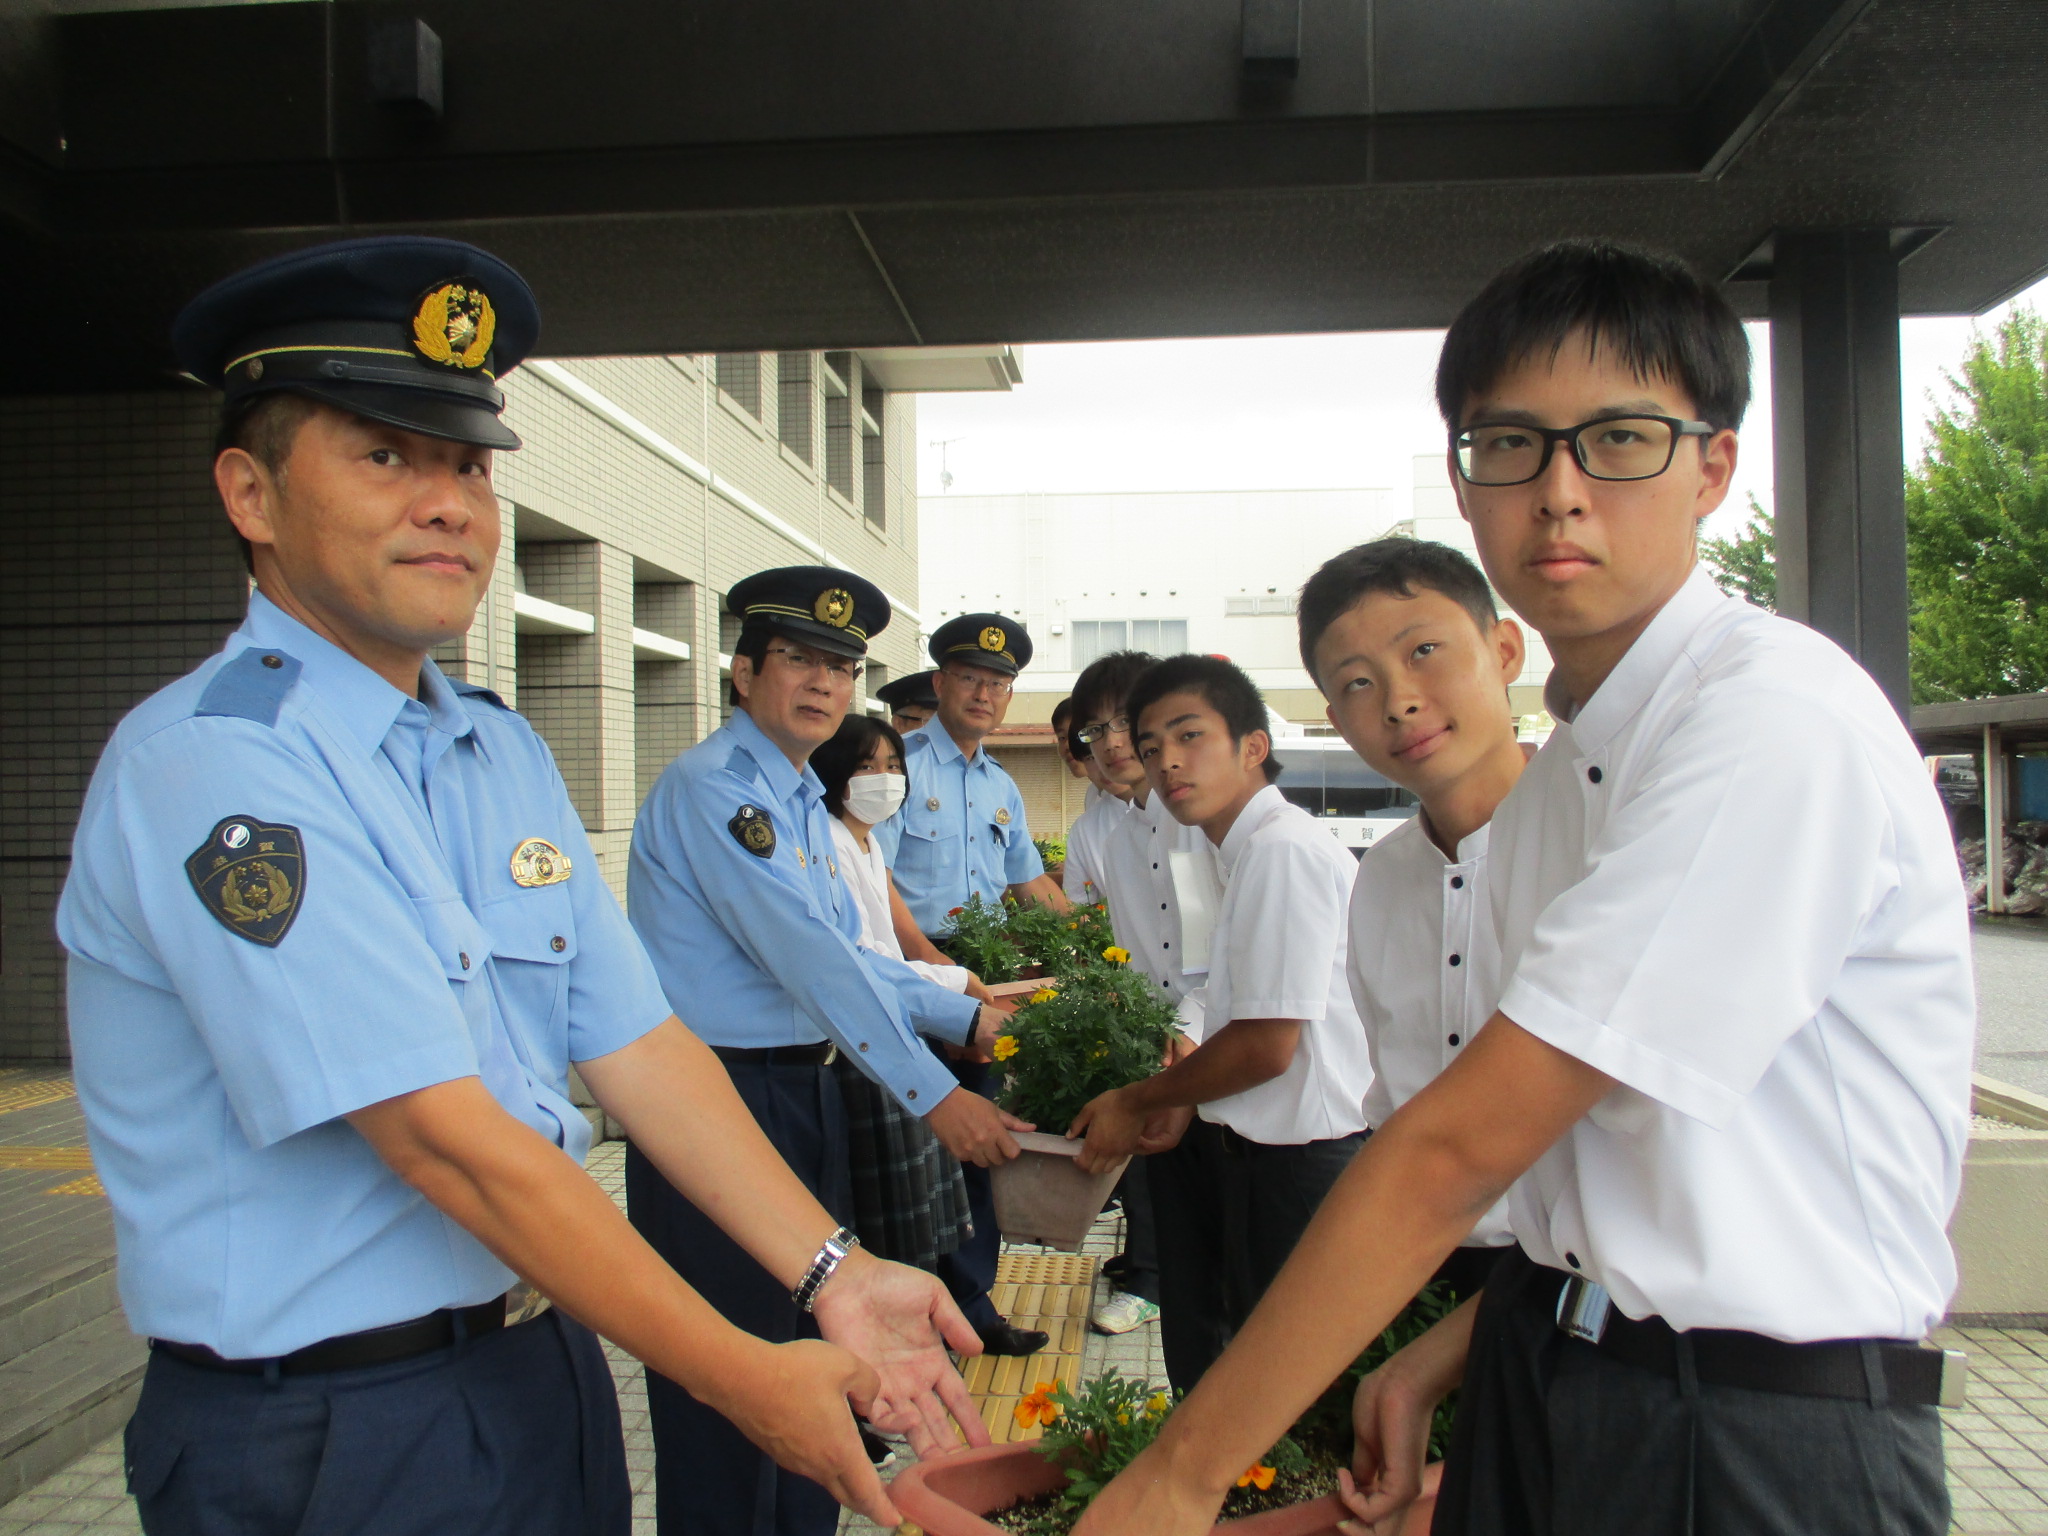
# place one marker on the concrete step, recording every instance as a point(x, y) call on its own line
point(33, 1315)
point(62, 1397)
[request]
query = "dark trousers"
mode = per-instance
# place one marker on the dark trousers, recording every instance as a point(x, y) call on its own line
point(1554, 1436)
point(709, 1480)
point(1139, 1273)
point(969, 1270)
point(1229, 1212)
point(516, 1431)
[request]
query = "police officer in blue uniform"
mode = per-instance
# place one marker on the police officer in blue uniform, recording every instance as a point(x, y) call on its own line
point(910, 700)
point(961, 833)
point(336, 935)
point(736, 891)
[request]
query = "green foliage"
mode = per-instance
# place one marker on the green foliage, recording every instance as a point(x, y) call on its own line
point(1092, 931)
point(997, 939)
point(1328, 1420)
point(1977, 525)
point(1747, 565)
point(1096, 1027)
point(1052, 851)
point(980, 940)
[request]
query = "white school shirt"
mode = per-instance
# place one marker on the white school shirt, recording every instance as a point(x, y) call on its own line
point(1145, 904)
point(1424, 967)
point(1087, 844)
point(1727, 882)
point(867, 876)
point(1278, 953)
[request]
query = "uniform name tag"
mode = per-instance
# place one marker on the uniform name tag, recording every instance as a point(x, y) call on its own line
point(536, 861)
point(251, 875)
point(753, 831)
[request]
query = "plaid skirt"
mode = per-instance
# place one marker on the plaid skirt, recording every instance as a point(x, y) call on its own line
point(909, 1199)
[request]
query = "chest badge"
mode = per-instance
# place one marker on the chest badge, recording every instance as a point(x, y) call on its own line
point(932, 804)
point(801, 861)
point(251, 875)
point(1002, 815)
point(536, 861)
point(753, 831)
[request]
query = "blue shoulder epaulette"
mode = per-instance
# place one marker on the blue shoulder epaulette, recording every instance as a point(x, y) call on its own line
point(252, 686)
point(478, 690)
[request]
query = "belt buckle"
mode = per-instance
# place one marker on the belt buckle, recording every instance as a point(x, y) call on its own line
point(523, 1303)
point(1955, 1379)
point(831, 1052)
point(1583, 1308)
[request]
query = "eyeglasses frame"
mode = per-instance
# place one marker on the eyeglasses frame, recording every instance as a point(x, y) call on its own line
point(1552, 436)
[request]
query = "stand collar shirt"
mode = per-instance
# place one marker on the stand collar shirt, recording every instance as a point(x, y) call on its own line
point(293, 894)
point(962, 830)
point(1146, 902)
point(1727, 882)
point(1087, 846)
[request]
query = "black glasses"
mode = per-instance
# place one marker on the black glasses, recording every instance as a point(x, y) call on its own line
point(1611, 448)
point(1088, 735)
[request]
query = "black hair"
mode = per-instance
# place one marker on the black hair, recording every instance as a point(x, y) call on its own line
point(264, 426)
point(1221, 685)
point(1063, 727)
point(1395, 567)
point(752, 644)
point(1106, 682)
point(1661, 318)
point(839, 759)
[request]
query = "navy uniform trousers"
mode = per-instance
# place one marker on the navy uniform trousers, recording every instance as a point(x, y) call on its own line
point(1554, 1436)
point(512, 1433)
point(710, 1480)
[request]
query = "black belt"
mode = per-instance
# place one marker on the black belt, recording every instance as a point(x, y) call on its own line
point(352, 1351)
point(1730, 1357)
point(823, 1054)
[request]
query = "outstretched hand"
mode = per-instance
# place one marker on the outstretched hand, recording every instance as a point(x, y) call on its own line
point(793, 1406)
point(900, 1321)
point(1112, 1127)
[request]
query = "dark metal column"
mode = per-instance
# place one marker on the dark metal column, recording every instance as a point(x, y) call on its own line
point(1840, 448)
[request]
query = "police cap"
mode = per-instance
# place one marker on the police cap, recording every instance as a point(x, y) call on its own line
point(912, 692)
point(983, 640)
point(403, 329)
point(819, 605)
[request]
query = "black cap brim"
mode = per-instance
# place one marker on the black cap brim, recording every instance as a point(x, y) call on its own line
point(823, 636)
point(416, 410)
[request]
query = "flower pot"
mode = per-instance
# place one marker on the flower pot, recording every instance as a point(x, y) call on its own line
point(1041, 1197)
point(1008, 989)
point(949, 1495)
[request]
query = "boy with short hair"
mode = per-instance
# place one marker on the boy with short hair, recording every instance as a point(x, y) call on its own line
point(1083, 877)
point(1403, 639)
point(1272, 1100)
point(1728, 1078)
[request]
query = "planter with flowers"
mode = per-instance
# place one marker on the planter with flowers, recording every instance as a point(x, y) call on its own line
point(1007, 940)
point(1096, 1026)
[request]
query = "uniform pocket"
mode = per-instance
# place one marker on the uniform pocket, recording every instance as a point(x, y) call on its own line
point(532, 941)
point(453, 933)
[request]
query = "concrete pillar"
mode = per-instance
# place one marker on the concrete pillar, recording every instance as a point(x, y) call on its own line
point(1996, 786)
point(1840, 453)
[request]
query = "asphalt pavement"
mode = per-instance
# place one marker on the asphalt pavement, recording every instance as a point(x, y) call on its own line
point(2012, 1000)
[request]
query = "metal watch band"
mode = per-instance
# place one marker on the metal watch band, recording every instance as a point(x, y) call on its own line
point(829, 1258)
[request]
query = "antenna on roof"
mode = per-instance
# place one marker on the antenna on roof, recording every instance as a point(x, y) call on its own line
point(945, 474)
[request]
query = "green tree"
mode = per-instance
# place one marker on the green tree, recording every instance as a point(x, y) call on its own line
point(1977, 524)
point(1747, 565)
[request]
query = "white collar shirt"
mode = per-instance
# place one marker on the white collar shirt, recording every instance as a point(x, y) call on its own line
point(1424, 966)
point(1726, 882)
point(1278, 952)
point(867, 877)
point(1088, 845)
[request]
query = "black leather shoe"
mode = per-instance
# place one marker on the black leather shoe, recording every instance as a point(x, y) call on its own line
point(1002, 1339)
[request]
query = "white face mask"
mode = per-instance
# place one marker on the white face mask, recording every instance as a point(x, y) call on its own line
point(875, 797)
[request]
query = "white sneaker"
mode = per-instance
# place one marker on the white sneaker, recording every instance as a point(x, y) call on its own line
point(1123, 1312)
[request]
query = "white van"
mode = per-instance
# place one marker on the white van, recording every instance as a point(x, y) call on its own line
point(1323, 776)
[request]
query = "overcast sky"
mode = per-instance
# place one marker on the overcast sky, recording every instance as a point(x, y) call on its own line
point(1284, 411)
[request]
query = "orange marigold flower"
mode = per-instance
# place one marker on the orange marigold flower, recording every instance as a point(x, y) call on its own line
point(1039, 1408)
point(1259, 1477)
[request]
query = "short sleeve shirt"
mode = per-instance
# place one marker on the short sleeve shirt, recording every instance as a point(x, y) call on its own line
point(1424, 964)
point(1726, 881)
point(1278, 952)
point(296, 892)
point(961, 831)
point(1087, 845)
point(1145, 901)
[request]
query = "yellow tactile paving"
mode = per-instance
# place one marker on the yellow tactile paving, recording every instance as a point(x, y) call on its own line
point(1052, 1291)
point(89, 1185)
point(45, 1157)
point(18, 1095)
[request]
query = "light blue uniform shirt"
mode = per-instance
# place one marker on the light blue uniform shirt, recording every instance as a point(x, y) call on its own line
point(961, 831)
point(214, 1068)
point(762, 948)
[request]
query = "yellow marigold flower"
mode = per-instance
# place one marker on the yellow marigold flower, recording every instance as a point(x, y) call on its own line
point(1039, 1408)
point(1045, 994)
point(1116, 954)
point(1259, 1477)
point(1157, 1405)
point(1006, 1047)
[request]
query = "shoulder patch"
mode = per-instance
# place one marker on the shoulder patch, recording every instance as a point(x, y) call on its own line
point(479, 691)
point(252, 686)
point(251, 875)
point(753, 831)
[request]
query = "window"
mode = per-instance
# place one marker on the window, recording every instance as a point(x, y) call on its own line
point(1245, 607)
point(793, 396)
point(839, 424)
point(1098, 637)
point(739, 376)
point(874, 489)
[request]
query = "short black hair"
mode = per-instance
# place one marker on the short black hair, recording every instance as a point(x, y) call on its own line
point(838, 760)
point(752, 644)
point(1395, 567)
point(1107, 682)
point(264, 427)
point(1222, 686)
point(1658, 315)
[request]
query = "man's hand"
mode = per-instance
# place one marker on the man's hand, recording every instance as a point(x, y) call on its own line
point(978, 990)
point(1391, 1412)
point(794, 1407)
point(1148, 1500)
point(1011, 1122)
point(1112, 1124)
point(993, 1019)
point(1164, 1130)
point(972, 1129)
point(900, 1320)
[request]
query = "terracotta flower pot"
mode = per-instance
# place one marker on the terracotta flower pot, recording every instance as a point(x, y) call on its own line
point(949, 1495)
point(1041, 1197)
point(1007, 989)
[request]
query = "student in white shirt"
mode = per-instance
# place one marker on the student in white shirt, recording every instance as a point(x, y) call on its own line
point(1107, 803)
point(1728, 1078)
point(1280, 1078)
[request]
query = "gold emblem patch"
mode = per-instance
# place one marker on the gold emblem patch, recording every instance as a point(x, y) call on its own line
point(834, 607)
point(753, 831)
point(1002, 815)
point(993, 639)
point(251, 876)
point(454, 326)
point(536, 861)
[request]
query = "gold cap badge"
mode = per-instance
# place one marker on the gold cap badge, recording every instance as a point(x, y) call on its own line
point(536, 861)
point(834, 607)
point(993, 639)
point(454, 326)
